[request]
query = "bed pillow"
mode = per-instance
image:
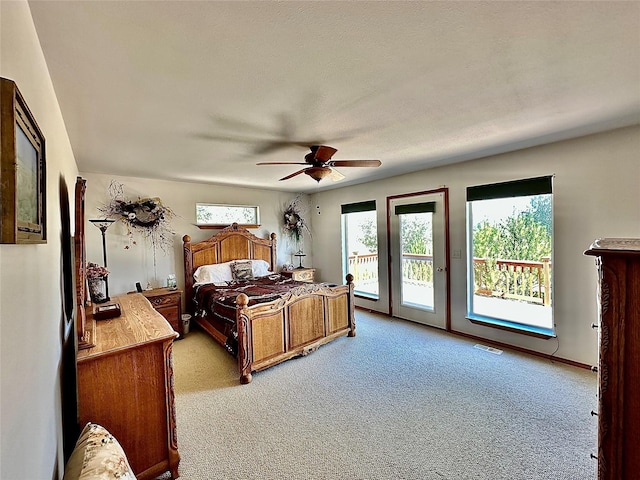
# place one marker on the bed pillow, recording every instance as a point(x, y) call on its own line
point(216, 273)
point(242, 271)
point(260, 268)
point(97, 454)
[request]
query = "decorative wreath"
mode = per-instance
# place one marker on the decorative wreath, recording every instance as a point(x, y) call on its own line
point(294, 224)
point(147, 216)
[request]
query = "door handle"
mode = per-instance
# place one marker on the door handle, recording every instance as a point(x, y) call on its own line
point(441, 269)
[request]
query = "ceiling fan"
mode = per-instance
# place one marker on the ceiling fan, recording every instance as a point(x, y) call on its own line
point(320, 164)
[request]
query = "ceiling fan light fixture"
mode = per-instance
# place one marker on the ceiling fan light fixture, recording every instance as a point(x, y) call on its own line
point(318, 173)
point(320, 164)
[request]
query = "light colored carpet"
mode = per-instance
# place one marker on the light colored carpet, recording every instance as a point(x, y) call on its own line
point(398, 401)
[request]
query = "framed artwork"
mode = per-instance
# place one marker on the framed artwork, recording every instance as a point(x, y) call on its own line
point(22, 170)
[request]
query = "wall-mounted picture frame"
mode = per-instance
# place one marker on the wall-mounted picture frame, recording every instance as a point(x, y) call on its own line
point(23, 214)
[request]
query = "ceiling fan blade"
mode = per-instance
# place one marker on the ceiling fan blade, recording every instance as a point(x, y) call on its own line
point(355, 163)
point(322, 153)
point(231, 124)
point(293, 174)
point(269, 146)
point(226, 137)
point(336, 176)
point(281, 163)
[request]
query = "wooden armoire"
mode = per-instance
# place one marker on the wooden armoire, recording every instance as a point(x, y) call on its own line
point(618, 262)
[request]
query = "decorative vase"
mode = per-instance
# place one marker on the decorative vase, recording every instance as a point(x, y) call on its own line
point(97, 289)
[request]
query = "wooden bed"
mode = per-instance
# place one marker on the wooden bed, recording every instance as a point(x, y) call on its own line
point(297, 323)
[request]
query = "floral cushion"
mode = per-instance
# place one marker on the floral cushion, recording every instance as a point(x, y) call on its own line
point(97, 455)
point(242, 271)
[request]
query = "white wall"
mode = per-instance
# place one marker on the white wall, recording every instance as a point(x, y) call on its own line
point(136, 264)
point(31, 314)
point(596, 194)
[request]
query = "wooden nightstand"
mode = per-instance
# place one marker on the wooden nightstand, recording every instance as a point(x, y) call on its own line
point(300, 274)
point(169, 304)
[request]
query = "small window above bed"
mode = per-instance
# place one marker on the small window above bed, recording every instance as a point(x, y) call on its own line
point(210, 215)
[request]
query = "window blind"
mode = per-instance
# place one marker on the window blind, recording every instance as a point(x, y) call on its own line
point(515, 188)
point(359, 207)
point(425, 207)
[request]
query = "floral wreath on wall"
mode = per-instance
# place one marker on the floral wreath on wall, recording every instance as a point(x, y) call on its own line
point(294, 223)
point(147, 216)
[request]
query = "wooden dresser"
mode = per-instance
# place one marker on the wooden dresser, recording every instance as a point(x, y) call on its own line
point(125, 383)
point(300, 274)
point(169, 304)
point(618, 262)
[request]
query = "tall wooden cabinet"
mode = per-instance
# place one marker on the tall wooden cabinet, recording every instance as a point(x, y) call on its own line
point(618, 262)
point(125, 383)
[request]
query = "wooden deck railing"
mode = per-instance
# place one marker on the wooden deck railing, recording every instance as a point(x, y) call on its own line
point(516, 279)
point(363, 267)
point(418, 268)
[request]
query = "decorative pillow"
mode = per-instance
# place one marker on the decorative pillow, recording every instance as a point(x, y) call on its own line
point(260, 268)
point(217, 273)
point(97, 455)
point(242, 271)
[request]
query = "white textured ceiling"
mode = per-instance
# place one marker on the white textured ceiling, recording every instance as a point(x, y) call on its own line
point(201, 91)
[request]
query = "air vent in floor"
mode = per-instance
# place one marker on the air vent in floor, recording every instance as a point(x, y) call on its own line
point(495, 351)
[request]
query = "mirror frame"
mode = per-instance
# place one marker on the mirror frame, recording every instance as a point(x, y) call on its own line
point(85, 326)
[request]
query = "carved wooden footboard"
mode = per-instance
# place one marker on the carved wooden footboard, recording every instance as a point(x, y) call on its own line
point(297, 324)
point(266, 334)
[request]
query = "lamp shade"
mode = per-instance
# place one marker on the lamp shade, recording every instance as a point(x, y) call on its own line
point(318, 173)
point(102, 223)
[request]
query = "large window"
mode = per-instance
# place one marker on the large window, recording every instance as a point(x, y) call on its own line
point(360, 246)
point(510, 245)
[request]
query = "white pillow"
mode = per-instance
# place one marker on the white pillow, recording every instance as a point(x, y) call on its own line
point(260, 268)
point(216, 273)
point(220, 273)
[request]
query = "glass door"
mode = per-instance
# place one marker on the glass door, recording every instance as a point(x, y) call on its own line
point(418, 258)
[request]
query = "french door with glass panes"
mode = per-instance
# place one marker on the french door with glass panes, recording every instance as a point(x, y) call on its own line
point(417, 230)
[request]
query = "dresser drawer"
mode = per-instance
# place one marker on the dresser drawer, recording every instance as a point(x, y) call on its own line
point(165, 300)
point(301, 274)
point(172, 314)
point(304, 276)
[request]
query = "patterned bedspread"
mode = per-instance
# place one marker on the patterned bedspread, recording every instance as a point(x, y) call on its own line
point(220, 301)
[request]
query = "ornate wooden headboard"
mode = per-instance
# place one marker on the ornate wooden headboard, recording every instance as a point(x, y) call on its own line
point(231, 243)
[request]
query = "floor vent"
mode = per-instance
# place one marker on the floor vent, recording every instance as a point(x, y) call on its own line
point(495, 351)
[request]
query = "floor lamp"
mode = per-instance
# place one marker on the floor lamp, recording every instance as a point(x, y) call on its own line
point(103, 224)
